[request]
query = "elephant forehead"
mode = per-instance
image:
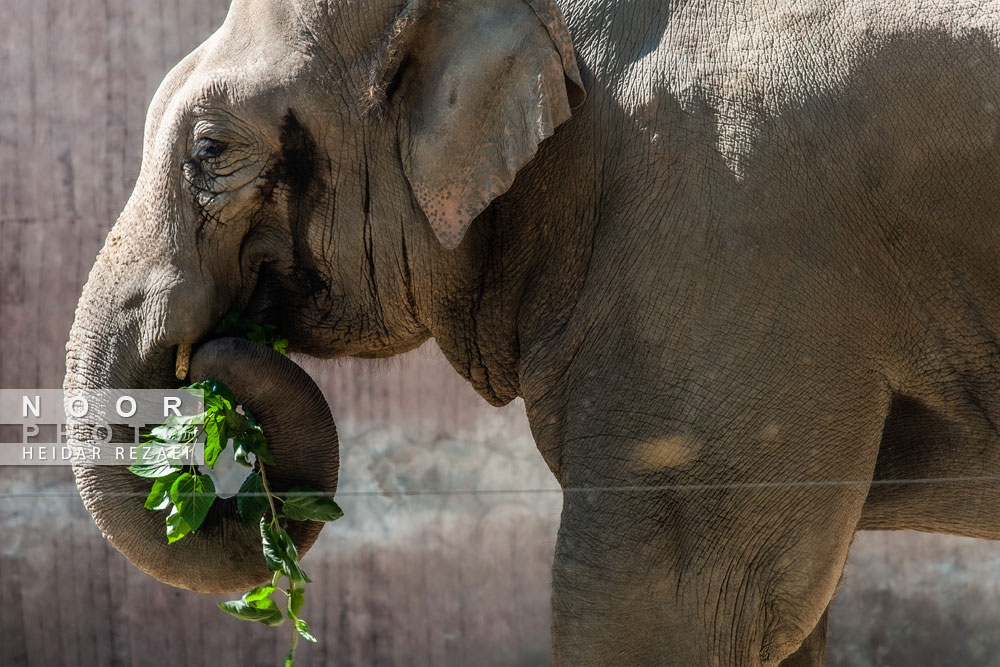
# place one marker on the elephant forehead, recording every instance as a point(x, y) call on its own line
point(261, 21)
point(258, 40)
point(245, 70)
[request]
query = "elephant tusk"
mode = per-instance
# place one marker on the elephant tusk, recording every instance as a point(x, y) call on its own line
point(183, 360)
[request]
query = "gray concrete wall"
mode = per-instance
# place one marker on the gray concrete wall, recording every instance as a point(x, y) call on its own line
point(444, 577)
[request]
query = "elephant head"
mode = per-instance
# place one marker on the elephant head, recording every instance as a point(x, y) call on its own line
point(315, 165)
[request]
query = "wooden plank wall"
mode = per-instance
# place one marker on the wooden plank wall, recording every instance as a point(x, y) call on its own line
point(435, 579)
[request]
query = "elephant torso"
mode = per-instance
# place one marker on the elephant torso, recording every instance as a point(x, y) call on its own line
point(797, 206)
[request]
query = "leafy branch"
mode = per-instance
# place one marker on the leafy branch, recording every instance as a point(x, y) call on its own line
point(187, 495)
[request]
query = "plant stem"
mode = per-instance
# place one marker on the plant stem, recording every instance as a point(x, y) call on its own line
point(295, 637)
point(270, 499)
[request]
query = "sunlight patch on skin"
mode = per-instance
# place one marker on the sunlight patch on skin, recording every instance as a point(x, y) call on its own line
point(770, 432)
point(671, 452)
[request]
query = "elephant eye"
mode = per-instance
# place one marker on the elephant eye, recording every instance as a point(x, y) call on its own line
point(210, 148)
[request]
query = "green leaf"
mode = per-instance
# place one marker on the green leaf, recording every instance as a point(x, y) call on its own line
point(193, 496)
point(242, 456)
point(286, 543)
point(176, 526)
point(255, 605)
point(167, 433)
point(214, 444)
point(152, 461)
point(310, 504)
point(213, 391)
point(176, 429)
point(274, 550)
point(232, 324)
point(235, 423)
point(252, 441)
point(265, 452)
point(274, 555)
point(248, 612)
point(294, 571)
point(251, 499)
point(258, 594)
point(215, 404)
point(296, 598)
point(258, 335)
point(280, 554)
point(235, 324)
point(303, 629)
point(159, 496)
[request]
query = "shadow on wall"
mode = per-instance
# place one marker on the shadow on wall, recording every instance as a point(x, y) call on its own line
point(917, 600)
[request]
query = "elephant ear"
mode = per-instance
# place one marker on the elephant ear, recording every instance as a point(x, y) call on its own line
point(481, 84)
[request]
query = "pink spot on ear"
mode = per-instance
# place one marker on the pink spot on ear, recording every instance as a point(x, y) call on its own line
point(448, 214)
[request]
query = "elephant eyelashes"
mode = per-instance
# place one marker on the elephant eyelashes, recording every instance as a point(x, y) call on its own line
point(209, 149)
point(217, 165)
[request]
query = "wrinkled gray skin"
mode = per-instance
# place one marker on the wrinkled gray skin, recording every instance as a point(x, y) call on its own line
point(752, 272)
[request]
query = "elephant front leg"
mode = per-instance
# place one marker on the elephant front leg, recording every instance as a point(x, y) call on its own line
point(813, 650)
point(634, 586)
point(685, 551)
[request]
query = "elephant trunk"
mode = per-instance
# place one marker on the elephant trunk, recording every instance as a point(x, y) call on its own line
point(224, 555)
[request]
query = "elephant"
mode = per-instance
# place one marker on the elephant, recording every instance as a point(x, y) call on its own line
point(738, 258)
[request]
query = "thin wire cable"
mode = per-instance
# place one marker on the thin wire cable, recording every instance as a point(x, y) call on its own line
point(586, 489)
